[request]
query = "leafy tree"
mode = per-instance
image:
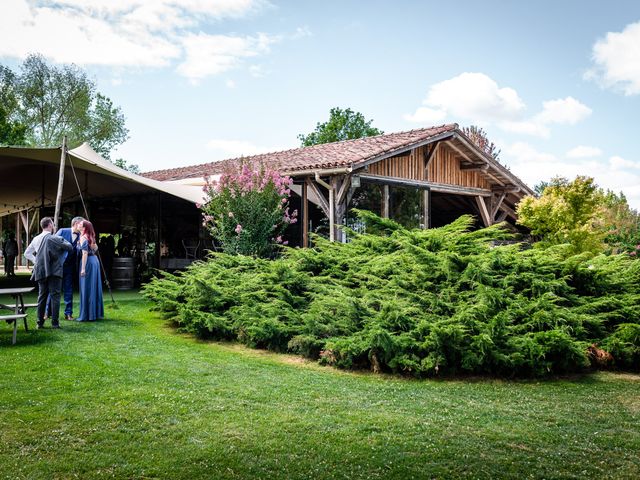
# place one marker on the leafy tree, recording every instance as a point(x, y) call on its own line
point(581, 214)
point(247, 211)
point(12, 132)
point(55, 101)
point(478, 136)
point(622, 225)
point(122, 163)
point(342, 125)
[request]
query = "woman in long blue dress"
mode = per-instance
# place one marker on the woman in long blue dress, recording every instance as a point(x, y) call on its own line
point(91, 306)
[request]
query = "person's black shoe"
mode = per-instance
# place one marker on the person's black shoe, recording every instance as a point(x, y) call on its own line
point(39, 326)
point(57, 325)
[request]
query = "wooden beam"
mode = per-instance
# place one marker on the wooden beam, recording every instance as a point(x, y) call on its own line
point(460, 152)
point(509, 211)
point(474, 168)
point(466, 157)
point(324, 203)
point(502, 217)
point(433, 186)
point(428, 155)
point(495, 179)
point(344, 188)
point(305, 216)
point(484, 212)
point(506, 189)
point(496, 205)
point(33, 219)
point(25, 222)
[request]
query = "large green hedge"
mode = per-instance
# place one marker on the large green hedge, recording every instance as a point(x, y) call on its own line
point(419, 302)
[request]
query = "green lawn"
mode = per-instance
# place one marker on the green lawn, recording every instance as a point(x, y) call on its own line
point(129, 398)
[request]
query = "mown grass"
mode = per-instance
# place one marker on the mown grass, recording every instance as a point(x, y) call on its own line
point(129, 398)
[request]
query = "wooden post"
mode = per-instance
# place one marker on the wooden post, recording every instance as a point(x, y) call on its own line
point(385, 201)
point(426, 207)
point(305, 216)
point(63, 156)
point(332, 208)
point(340, 187)
point(156, 257)
point(19, 239)
point(484, 211)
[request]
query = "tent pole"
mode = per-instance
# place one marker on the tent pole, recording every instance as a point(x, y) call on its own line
point(60, 183)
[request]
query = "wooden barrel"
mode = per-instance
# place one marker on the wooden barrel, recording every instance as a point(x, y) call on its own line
point(124, 273)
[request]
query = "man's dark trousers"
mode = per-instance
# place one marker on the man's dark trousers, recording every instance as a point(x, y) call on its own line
point(10, 262)
point(67, 288)
point(49, 287)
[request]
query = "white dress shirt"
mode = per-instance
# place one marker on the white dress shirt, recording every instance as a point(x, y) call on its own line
point(32, 250)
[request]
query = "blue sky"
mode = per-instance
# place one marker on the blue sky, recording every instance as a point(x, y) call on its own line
point(556, 84)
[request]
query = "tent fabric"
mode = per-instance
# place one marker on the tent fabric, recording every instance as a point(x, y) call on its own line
point(29, 178)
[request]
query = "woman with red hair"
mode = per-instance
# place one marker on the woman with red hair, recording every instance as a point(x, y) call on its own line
point(91, 306)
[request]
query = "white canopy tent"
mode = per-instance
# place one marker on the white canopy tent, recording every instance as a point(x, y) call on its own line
point(29, 179)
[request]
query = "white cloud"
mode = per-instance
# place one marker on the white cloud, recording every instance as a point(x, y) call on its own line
point(208, 55)
point(619, 163)
point(533, 166)
point(230, 84)
point(130, 33)
point(565, 111)
point(235, 148)
point(469, 96)
point(617, 60)
point(478, 99)
point(583, 151)
point(562, 111)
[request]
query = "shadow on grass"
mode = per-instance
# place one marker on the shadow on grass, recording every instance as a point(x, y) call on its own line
point(31, 338)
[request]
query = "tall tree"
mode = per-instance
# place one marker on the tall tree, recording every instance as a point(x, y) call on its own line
point(12, 132)
point(54, 101)
point(342, 125)
point(478, 136)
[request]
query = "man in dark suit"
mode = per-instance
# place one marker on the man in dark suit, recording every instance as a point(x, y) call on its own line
point(69, 268)
point(47, 270)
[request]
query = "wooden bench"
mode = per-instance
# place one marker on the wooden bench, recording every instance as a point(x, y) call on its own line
point(14, 319)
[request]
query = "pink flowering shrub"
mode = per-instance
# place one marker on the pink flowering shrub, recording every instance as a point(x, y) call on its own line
point(247, 210)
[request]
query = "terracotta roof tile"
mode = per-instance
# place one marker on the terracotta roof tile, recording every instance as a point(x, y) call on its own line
point(329, 155)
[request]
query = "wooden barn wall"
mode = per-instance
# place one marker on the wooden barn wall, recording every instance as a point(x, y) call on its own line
point(409, 166)
point(443, 168)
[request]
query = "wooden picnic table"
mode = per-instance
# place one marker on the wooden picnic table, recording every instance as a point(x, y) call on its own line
point(19, 308)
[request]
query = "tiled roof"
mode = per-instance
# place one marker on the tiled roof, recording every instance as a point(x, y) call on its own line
point(329, 155)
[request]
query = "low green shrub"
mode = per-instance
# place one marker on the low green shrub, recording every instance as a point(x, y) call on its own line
point(418, 302)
